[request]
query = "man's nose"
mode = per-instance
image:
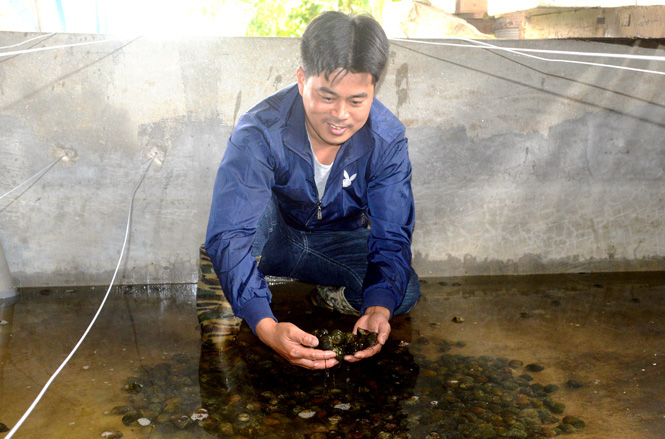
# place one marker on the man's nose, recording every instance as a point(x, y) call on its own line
point(341, 111)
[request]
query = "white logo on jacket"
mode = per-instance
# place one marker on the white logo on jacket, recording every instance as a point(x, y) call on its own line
point(347, 180)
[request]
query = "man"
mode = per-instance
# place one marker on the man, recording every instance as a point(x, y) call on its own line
point(315, 185)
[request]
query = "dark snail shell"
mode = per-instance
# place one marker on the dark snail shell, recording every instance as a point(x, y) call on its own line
point(325, 343)
point(337, 337)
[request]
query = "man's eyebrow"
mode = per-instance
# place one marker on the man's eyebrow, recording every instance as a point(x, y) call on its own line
point(331, 92)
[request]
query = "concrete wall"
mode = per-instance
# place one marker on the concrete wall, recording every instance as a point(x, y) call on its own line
point(497, 7)
point(520, 166)
point(628, 22)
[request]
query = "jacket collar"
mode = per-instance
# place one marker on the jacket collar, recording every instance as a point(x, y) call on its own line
point(295, 137)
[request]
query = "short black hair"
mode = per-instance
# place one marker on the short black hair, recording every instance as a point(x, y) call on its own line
point(336, 42)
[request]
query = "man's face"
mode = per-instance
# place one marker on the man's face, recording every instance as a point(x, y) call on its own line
point(335, 111)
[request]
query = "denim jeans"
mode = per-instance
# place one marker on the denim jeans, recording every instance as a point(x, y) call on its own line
point(330, 258)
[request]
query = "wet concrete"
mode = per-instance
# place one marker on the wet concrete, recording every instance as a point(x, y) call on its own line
point(604, 331)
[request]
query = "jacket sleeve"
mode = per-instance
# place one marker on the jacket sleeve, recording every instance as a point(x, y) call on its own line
point(392, 215)
point(241, 193)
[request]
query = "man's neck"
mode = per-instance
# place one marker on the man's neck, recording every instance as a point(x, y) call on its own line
point(324, 152)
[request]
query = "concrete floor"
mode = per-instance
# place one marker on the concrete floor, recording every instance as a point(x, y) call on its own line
point(605, 331)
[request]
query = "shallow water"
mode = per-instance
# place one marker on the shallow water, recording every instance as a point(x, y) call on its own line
point(604, 331)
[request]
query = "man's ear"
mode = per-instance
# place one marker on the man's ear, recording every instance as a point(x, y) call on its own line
point(300, 77)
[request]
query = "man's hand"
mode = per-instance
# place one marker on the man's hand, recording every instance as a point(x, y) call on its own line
point(376, 319)
point(294, 344)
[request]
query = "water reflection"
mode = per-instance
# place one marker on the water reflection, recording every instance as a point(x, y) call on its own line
point(421, 388)
point(6, 324)
point(418, 390)
point(252, 393)
point(462, 380)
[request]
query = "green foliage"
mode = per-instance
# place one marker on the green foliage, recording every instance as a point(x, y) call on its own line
point(278, 18)
point(300, 16)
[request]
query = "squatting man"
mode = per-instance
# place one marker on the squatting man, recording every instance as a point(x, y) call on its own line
point(315, 184)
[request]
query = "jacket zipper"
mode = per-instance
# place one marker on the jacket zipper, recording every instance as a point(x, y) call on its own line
point(317, 212)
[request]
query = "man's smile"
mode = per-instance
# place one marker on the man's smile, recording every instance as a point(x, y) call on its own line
point(337, 129)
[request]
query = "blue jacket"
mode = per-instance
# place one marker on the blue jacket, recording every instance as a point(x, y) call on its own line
point(269, 153)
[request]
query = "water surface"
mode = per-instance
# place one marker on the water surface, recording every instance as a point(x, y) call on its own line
point(464, 363)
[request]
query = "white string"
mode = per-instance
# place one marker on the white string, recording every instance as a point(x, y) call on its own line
point(63, 46)
point(27, 41)
point(38, 174)
point(656, 58)
point(94, 319)
point(518, 51)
